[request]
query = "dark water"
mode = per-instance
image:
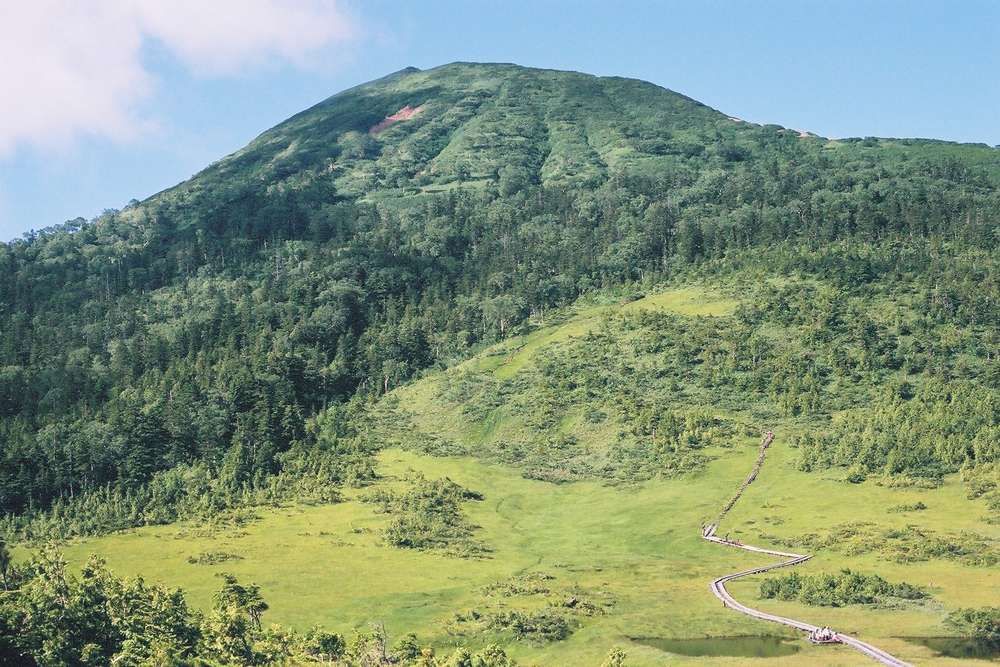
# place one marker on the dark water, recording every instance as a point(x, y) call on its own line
point(960, 647)
point(744, 647)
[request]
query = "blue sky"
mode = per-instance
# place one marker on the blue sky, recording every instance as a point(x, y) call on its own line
point(102, 101)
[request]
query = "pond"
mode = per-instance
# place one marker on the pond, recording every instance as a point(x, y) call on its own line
point(960, 647)
point(743, 647)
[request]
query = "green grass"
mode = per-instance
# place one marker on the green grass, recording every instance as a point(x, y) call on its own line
point(638, 546)
point(690, 301)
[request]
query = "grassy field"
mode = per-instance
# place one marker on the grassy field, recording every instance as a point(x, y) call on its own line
point(631, 551)
point(635, 546)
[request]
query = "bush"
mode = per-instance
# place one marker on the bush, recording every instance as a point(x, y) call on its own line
point(837, 590)
point(429, 516)
point(983, 622)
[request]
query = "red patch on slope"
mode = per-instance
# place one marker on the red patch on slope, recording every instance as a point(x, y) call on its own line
point(406, 113)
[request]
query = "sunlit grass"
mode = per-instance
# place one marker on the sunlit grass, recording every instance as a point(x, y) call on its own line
point(323, 565)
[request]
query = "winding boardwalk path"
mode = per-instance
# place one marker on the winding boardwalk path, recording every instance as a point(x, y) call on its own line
point(718, 585)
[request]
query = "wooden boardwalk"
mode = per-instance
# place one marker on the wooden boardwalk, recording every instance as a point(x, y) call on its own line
point(718, 585)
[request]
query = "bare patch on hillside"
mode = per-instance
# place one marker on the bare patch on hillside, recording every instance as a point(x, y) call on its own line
point(406, 113)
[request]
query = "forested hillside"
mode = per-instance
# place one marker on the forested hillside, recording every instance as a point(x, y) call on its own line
point(211, 346)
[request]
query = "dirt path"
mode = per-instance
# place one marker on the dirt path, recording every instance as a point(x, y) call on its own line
point(718, 585)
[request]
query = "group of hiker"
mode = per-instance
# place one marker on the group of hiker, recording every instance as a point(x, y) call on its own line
point(822, 635)
point(706, 530)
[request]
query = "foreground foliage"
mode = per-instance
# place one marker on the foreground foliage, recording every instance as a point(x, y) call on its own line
point(52, 618)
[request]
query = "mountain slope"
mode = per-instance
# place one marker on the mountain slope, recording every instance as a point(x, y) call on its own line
point(339, 255)
point(473, 122)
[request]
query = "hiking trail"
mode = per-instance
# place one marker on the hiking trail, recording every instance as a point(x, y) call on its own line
point(718, 585)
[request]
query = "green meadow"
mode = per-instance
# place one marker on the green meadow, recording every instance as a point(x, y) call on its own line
point(620, 560)
point(636, 547)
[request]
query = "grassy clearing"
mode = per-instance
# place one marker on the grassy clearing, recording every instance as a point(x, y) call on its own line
point(638, 547)
point(691, 301)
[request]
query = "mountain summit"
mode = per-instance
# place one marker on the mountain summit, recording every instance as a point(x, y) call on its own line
point(417, 132)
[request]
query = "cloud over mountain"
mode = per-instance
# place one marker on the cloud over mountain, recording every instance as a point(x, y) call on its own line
point(79, 68)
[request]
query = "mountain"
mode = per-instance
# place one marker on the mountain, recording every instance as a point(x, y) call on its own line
point(396, 226)
point(576, 279)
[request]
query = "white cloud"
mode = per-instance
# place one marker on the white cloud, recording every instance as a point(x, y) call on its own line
point(223, 35)
point(72, 67)
point(65, 68)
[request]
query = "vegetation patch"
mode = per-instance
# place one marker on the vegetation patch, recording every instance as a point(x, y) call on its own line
point(530, 608)
point(983, 622)
point(543, 625)
point(213, 557)
point(429, 515)
point(981, 482)
point(535, 583)
point(837, 590)
point(914, 507)
point(906, 544)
